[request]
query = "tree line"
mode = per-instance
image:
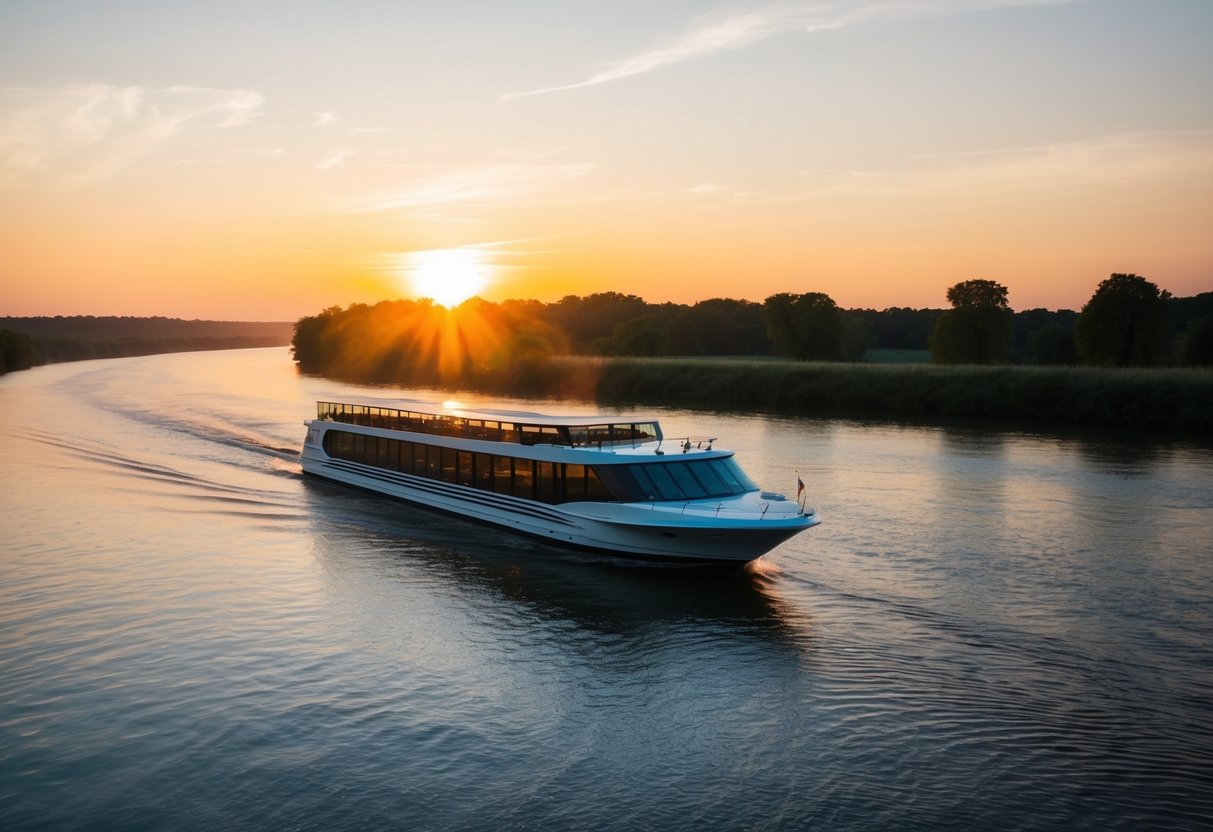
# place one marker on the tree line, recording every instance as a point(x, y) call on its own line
point(1127, 322)
point(513, 349)
point(30, 342)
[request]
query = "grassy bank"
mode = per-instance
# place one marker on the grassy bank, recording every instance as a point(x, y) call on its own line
point(1155, 398)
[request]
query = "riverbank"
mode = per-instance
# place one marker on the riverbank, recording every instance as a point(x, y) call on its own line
point(32, 342)
point(1160, 399)
point(1155, 398)
point(21, 352)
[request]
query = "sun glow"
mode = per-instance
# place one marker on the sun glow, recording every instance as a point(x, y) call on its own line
point(448, 276)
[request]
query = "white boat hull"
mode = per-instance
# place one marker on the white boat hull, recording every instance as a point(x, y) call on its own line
point(690, 532)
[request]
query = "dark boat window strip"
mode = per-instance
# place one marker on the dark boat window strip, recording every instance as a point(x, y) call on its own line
point(546, 482)
point(543, 481)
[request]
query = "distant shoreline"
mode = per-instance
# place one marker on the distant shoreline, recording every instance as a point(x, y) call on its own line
point(33, 342)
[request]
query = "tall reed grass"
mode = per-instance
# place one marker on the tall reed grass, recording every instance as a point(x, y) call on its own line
point(1143, 398)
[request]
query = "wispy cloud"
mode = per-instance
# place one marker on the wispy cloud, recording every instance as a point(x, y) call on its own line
point(322, 119)
point(82, 133)
point(719, 32)
point(1107, 162)
point(335, 158)
point(473, 186)
point(533, 155)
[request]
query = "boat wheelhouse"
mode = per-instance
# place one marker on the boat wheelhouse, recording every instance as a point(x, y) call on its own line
point(604, 483)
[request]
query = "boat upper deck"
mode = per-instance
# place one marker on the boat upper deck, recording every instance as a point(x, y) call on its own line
point(514, 426)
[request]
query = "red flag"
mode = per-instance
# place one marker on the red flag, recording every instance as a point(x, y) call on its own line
point(799, 487)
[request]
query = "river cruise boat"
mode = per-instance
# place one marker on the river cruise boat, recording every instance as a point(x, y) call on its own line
point(602, 483)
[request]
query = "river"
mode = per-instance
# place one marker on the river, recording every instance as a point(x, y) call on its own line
point(991, 629)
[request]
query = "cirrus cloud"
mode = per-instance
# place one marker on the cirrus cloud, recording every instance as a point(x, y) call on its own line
point(716, 32)
point(473, 186)
point(80, 134)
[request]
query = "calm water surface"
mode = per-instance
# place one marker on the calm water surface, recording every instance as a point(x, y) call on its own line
point(990, 630)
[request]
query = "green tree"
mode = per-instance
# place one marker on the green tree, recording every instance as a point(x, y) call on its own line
point(807, 327)
point(586, 320)
point(683, 336)
point(730, 327)
point(1126, 323)
point(636, 336)
point(978, 327)
point(18, 351)
point(1053, 344)
point(857, 338)
point(311, 344)
point(1198, 345)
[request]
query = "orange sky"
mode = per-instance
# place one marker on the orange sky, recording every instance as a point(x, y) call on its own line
point(216, 161)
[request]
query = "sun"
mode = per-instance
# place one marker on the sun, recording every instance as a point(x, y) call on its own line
point(449, 276)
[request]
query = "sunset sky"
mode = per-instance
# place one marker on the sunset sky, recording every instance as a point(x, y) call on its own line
point(264, 160)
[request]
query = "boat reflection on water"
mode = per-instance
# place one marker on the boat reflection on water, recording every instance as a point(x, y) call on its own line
point(362, 539)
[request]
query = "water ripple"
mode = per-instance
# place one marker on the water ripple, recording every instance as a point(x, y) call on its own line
point(1004, 631)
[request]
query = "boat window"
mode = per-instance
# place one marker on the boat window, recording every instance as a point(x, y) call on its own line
point(483, 471)
point(666, 487)
point(607, 435)
point(691, 480)
point(448, 465)
point(712, 483)
point(546, 485)
point(540, 435)
point(645, 432)
point(465, 468)
point(574, 482)
point(524, 478)
point(691, 487)
point(645, 489)
point(503, 475)
point(595, 488)
point(733, 476)
point(598, 435)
